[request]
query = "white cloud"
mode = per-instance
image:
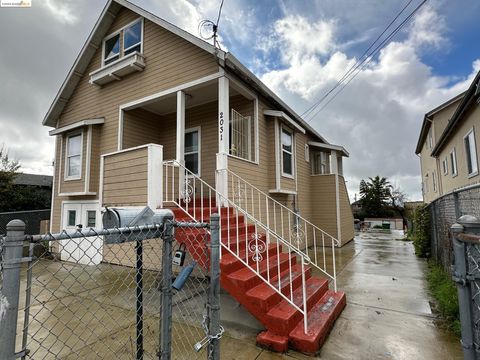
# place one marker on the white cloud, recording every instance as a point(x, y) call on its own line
point(378, 116)
point(63, 11)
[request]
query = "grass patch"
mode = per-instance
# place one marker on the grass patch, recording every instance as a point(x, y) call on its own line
point(444, 291)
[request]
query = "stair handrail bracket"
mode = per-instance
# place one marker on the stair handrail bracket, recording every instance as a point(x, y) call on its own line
point(258, 244)
point(276, 216)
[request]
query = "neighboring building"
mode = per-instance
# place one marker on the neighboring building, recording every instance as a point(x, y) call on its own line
point(143, 92)
point(43, 181)
point(447, 145)
point(393, 223)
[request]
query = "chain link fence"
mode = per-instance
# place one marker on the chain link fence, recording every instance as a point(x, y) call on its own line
point(444, 212)
point(114, 293)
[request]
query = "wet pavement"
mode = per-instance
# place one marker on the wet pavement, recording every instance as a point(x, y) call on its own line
point(388, 315)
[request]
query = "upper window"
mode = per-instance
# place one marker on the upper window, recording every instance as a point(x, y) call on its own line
point(471, 153)
point(453, 162)
point(287, 152)
point(430, 139)
point(445, 166)
point(307, 153)
point(132, 36)
point(74, 157)
point(192, 151)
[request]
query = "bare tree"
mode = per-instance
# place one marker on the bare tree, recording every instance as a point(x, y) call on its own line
point(398, 199)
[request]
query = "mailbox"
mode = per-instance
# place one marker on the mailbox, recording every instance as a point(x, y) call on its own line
point(119, 217)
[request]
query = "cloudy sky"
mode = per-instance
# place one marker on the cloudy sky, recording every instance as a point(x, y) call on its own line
point(298, 48)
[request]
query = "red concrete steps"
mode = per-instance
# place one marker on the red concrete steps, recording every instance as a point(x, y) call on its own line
point(231, 263)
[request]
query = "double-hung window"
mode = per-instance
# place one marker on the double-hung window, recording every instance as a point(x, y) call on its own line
point(471, 153)
point(132, 41)
point(287, 152)
point(192, 150)
point(73, 157)
point(453, 162)
point(445, 166)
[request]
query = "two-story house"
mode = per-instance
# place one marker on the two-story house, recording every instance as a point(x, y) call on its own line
point(447, 145)
point(152, 115)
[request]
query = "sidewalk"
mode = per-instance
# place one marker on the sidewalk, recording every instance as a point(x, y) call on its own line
point(387, 316)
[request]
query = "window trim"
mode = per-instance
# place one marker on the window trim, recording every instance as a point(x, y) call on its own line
point(120, 32)
point(199, 151)
point(473, 173)
point(307, 153)
point(454, 162)
point(65, 172)
point(445, 166)
point(291, 132)
point(434, 181)
point(119, 55)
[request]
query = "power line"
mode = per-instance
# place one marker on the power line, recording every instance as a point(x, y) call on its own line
point(370, 58)
point(364, 60)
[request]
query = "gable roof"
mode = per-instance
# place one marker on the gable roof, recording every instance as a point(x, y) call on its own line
point(471, 94)
point(33, 179)
point(428, 118)
point(100, 30)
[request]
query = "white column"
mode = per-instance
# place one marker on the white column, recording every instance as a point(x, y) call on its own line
point(155, 176)
point(180, 126)
point(334, 170)
point(223, 138)
point(333, 162)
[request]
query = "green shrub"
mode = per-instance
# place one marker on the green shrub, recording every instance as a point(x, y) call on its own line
point(444, 291)
point(421, 231)
point(378, 227)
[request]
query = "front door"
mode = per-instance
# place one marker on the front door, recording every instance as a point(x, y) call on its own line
point(87, 250)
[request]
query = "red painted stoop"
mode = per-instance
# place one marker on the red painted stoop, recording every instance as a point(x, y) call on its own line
point(284, 324)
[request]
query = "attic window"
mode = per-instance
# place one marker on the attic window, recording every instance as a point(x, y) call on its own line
point(132, 36)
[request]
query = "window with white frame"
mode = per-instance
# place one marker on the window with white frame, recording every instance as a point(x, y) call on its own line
point(241, 136)
point(430, 139)
point(307, 153)
point(287, 151)
point(319, 163)
point(471, 153)
point(453, 162)
point(192, 150)
point(73, 165)
point(132, 41)
point(434, 181)
point(445, 166)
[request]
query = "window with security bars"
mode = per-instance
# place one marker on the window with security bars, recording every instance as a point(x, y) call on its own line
point(241, 136)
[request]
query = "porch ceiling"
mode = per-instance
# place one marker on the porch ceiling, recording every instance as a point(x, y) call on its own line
point(194, 97)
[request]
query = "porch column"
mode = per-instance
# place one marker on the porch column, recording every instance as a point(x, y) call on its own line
point(334, 167)
point(180, 153)
point(180, 126)
point(221, 183)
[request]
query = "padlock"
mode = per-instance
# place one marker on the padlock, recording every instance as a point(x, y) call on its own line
point(179, 256)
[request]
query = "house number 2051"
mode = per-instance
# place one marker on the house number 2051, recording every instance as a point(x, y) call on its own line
point(220, 129)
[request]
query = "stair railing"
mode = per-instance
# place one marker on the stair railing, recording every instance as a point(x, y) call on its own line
point(241, 235)
point(314, 243)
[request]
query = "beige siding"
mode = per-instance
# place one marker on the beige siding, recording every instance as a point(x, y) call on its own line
point(170, 61)
point(449, 182)
point(323, 202)
point(346, 215)
point(125, 178)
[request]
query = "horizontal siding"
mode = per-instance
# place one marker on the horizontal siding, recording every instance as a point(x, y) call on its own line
point(125, 178)
point(324, 213)
point(346, 215)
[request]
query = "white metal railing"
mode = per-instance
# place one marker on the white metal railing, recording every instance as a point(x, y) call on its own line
point(313, 243)
point(254, 244)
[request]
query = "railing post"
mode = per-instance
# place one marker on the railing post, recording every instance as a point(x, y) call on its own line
point(10, 290)
point(460, 276)
point(214, 294)
point(166, 305)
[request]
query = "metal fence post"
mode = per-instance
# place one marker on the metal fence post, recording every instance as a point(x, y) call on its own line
point(9, 295)
point(214, 295)
point(139, 296)
point(165, 352)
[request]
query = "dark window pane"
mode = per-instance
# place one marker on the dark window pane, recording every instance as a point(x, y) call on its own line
point(287, 163)
point(91, 218)
point(133, 49)
point(132, 35)
point(191, 141)
point(72, 214)
point(469, 155)
point(112, 47)
point(191, 162)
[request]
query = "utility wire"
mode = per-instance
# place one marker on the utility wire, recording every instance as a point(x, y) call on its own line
point(370, 58)
point(357, 63)
point(214, 28)
point(365, 57)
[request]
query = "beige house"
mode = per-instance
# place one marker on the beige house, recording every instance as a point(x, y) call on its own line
point(150, 115)
point(447, 145)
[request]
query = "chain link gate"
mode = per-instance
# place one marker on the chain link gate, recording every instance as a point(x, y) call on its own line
point(110, 294)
